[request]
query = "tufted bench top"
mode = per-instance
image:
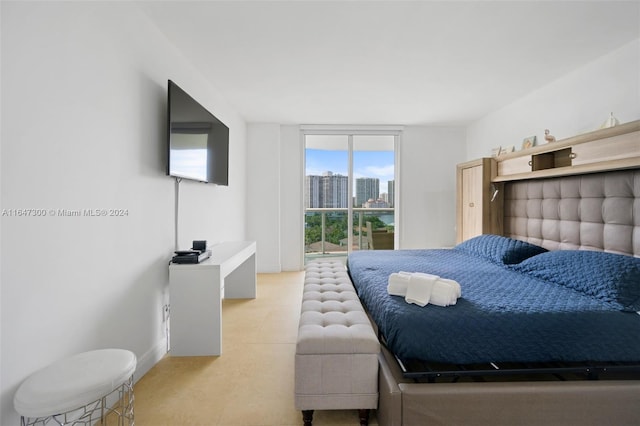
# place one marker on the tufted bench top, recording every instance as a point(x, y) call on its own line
point(336, 363)
point(332, 319)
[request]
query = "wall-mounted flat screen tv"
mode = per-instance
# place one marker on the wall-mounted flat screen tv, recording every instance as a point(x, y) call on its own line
point(198, 143)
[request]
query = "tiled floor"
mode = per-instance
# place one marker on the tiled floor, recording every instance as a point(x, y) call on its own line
point(251, 383)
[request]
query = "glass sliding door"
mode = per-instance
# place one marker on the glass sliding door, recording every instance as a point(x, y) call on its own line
point(349, 188)
point(373, 212)
point(326, 196)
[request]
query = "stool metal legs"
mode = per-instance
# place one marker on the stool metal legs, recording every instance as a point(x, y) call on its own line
point(114, 409)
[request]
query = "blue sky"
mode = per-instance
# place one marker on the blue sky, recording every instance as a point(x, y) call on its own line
point(374, 164)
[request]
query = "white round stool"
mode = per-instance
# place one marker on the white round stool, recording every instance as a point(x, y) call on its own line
point(80, 390)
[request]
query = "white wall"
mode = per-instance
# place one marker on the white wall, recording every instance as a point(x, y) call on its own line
point(428, 159)
point(578, 102)
point(274, 214)
point(83, 127)
point(428, 156)
point(263, 193)
point(291, 184)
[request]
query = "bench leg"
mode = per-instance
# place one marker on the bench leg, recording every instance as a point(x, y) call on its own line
point(307, 417)
point(364, 417)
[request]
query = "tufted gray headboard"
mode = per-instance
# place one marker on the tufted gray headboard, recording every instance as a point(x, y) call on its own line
point(599, 211)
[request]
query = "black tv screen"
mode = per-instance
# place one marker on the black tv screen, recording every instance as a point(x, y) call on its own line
point(198, 143)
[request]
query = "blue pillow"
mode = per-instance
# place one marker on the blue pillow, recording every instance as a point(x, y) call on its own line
point(610, 277)
point(498, 249)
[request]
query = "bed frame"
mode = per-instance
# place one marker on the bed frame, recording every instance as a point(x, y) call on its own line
point(525, 400)
point(580, 209)
point(421, 372)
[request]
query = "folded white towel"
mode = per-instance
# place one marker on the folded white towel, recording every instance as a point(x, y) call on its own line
point(420, 288)
point(398, 282)
point(445, 292)
point(426, 288)
point(456, 286)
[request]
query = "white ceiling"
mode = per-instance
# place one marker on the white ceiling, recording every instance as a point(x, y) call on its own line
point(388, 62)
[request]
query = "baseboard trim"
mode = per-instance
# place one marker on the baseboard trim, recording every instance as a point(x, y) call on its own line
point(150, 358)
point(272, 268)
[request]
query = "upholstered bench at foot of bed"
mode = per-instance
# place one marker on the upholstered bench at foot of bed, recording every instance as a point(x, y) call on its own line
point(336, 363)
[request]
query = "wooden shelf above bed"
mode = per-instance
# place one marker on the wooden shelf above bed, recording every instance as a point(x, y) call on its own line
point(613, 148)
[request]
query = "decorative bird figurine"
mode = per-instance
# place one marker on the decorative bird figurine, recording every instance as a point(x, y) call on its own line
point(549, 138)
point(611, 121)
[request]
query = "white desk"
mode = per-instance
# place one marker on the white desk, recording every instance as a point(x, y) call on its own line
point(196, 293)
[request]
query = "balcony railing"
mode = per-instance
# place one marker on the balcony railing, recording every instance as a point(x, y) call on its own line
point(326, 232)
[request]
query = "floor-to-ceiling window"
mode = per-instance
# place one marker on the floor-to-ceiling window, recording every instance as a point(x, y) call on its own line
point(349, 192)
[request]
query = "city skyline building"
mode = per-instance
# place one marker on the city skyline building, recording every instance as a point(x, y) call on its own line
point(331, 190)
point(366, 188)
point(327, 191)
point(312, 197)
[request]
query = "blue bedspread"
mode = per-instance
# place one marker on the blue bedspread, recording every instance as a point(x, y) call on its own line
point(502, 316)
